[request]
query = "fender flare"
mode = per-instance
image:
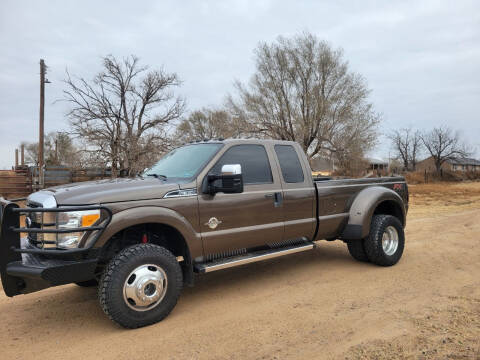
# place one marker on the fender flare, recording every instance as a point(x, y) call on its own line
point(153, 214)
point(363, 208)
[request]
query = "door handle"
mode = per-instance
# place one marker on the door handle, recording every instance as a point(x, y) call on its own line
point(277, 197)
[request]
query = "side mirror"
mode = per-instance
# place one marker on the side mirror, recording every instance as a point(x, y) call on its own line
point(230, 180)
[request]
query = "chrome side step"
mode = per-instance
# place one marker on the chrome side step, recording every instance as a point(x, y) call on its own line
point(251, 257)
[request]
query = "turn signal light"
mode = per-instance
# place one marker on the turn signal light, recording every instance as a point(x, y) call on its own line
point(89, 220)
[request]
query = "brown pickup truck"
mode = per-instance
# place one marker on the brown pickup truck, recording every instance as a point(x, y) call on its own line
point(205, 206)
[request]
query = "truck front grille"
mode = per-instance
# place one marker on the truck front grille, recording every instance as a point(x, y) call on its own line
point(41, 220)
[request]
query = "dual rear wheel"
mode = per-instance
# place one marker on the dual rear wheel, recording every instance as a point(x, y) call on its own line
point(384, 244)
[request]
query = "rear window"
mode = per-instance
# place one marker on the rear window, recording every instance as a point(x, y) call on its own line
point(289, 163)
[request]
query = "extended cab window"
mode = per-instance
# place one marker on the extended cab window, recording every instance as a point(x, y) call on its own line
point(289, 163)
point(254, 162)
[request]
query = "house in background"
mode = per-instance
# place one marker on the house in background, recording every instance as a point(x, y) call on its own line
point(326, 167)
point(377, 165)
point(453, 164)
point(322, 166)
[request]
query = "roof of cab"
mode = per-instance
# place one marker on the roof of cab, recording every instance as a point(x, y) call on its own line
point(242, 141)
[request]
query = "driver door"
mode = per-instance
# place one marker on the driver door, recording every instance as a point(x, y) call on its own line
point(230, 222)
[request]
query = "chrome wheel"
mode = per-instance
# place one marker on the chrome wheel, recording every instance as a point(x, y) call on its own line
point(390, 240)
point(145, 287)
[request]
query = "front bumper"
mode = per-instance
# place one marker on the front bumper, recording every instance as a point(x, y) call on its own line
point(34, 273)
point(25, 269)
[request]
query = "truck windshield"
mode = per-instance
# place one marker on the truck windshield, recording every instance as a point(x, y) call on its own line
point(184, 162)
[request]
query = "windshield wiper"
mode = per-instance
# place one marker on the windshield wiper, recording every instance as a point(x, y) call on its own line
point(158, 176)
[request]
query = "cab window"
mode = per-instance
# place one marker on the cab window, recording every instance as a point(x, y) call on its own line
point(289, 163)
point(253, 160)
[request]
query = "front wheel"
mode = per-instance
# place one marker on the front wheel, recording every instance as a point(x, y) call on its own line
point(140, 286)
point(384, 245)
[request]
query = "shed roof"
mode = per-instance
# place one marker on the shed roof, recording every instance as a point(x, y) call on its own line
point(464, 161)
point(374, 161)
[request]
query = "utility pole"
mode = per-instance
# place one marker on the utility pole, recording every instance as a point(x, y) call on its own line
point(43, 81)
point(389, 161)
point(23, 154)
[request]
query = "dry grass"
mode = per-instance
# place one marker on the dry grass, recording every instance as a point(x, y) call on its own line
point(439, 198)
point(418, 177)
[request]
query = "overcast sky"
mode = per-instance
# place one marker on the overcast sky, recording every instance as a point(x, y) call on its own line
point(421, 58)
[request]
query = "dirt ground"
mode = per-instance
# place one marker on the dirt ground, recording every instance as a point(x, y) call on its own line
point(314, 305)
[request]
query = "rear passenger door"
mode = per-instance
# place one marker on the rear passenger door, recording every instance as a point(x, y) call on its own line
point(298, 193)
point(247, 219)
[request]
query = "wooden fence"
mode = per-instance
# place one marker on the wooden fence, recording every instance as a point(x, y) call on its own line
point(58, 175)
point(15, 183)
point(24, 180)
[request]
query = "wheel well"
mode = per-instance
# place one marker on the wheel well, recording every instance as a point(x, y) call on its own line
point(390, 207)
point(152, 233)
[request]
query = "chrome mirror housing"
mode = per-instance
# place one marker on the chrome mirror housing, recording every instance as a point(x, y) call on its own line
point(231, 169)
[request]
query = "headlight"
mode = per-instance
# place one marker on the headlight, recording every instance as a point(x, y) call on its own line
point(72, 220)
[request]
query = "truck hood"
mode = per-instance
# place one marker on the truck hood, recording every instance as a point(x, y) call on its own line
point(111, 190)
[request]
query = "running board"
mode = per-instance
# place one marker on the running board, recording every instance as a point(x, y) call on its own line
point(251, 257)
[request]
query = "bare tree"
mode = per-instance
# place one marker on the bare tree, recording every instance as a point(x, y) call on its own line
point(407, 144)
point(209, 123)
point(444, 144)
point(303, 91)
point(417, 147)
point(123, 114)
point(59, 150)
point(31, 153)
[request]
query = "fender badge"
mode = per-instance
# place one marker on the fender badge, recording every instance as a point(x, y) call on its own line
point(213, 223)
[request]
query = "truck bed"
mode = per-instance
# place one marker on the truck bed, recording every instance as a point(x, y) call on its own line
point(335, 198)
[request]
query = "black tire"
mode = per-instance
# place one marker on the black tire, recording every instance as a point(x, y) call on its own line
point(373, 243)
point(111, 288)
point(356, 249)
point(88, 283)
